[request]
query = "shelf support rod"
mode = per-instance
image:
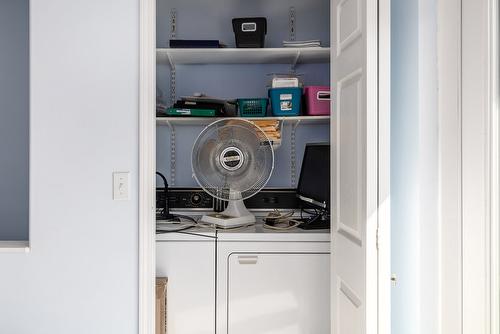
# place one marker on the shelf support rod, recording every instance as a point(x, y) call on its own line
point(172, 153)
point(173, 35)
point(173, 23)
point(293, 154)
point(291, 22)
point(172, 84)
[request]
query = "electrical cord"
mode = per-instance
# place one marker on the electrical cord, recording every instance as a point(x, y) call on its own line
point(191, 219)
point(199, 235)
point(174, 219)
point(276, 220)
point(316, 218)
point(220, 228)
point(315, 213)
point(165, 212)
point(180, 226)
point(175, 230)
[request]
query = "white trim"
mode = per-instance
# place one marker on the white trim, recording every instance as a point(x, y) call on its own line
point(494, 153)
point(470, 190)
point(476, 100)
point(449, 166)
point(384, 169)
point(147, 166)
point(30, 125)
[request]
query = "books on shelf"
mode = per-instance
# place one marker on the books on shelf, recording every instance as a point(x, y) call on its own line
point(271, 128)
point(190, 112)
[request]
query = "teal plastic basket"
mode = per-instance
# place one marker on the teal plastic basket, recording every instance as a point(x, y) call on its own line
point(286, 101)
point(252, 107)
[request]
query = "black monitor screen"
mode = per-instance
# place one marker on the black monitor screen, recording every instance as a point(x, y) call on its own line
point(314, 182)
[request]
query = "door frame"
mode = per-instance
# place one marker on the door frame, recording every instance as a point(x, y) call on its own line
point(147, 165)
point(449, 47)
point(383, 237)
point(494, 165)
point(480, 166)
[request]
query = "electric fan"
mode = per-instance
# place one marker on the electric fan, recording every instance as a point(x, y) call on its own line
point(232, 160)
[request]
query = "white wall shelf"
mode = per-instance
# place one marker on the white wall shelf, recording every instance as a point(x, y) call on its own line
point(165, 121)
point(292, 56)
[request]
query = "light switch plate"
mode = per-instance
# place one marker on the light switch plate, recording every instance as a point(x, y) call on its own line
point(121, 186)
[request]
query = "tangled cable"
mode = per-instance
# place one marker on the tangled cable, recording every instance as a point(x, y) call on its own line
point(276, 220)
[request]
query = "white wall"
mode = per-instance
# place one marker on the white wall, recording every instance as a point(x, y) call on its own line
point(414, 167)
point(81, 274)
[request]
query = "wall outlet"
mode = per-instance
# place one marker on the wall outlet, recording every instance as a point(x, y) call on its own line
point(121, 186)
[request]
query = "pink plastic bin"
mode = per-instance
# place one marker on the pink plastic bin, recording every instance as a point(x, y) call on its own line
point(317, 100)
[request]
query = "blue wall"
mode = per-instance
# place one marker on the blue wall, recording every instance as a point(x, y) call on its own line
point(14, 119)
point(82, 273)
point(404, 165)
point(213, 21)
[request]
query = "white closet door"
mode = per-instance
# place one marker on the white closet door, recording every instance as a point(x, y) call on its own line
point(355, 209)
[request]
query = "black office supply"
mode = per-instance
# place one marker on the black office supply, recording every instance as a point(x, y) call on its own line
point(314, 181)
point(194, 44)
point(250, 32)
point(314, 185)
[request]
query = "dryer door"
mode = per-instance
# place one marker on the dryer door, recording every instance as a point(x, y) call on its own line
point(286, 293)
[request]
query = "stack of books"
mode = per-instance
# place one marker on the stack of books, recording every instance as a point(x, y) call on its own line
point(201, 105)
point(271, 128)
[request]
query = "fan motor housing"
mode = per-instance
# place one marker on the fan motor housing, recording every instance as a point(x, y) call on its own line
point(231, 158)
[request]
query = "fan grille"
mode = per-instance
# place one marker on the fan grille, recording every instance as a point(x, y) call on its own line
point(232, 159)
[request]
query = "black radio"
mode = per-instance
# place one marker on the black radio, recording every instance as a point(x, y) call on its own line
point(184, 198)
point(197, 199)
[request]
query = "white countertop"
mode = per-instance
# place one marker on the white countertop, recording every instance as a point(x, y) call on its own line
point(248, 234)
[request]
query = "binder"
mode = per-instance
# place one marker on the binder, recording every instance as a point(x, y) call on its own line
point(190, 112)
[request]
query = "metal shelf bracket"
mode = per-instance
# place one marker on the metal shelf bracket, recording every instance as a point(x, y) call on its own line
point(172, 153)
point(291, 22)
point(295, 61)
point(293, 154)
point(172, 84)
point(173, 23)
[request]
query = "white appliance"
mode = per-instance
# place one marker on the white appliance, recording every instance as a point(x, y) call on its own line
point(264, 281)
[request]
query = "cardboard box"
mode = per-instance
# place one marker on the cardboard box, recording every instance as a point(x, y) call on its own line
point(161, 305)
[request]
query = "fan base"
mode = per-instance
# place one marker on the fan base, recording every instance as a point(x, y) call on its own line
point(225, 221)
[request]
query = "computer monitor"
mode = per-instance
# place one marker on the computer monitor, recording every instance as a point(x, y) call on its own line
point(314, 181)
